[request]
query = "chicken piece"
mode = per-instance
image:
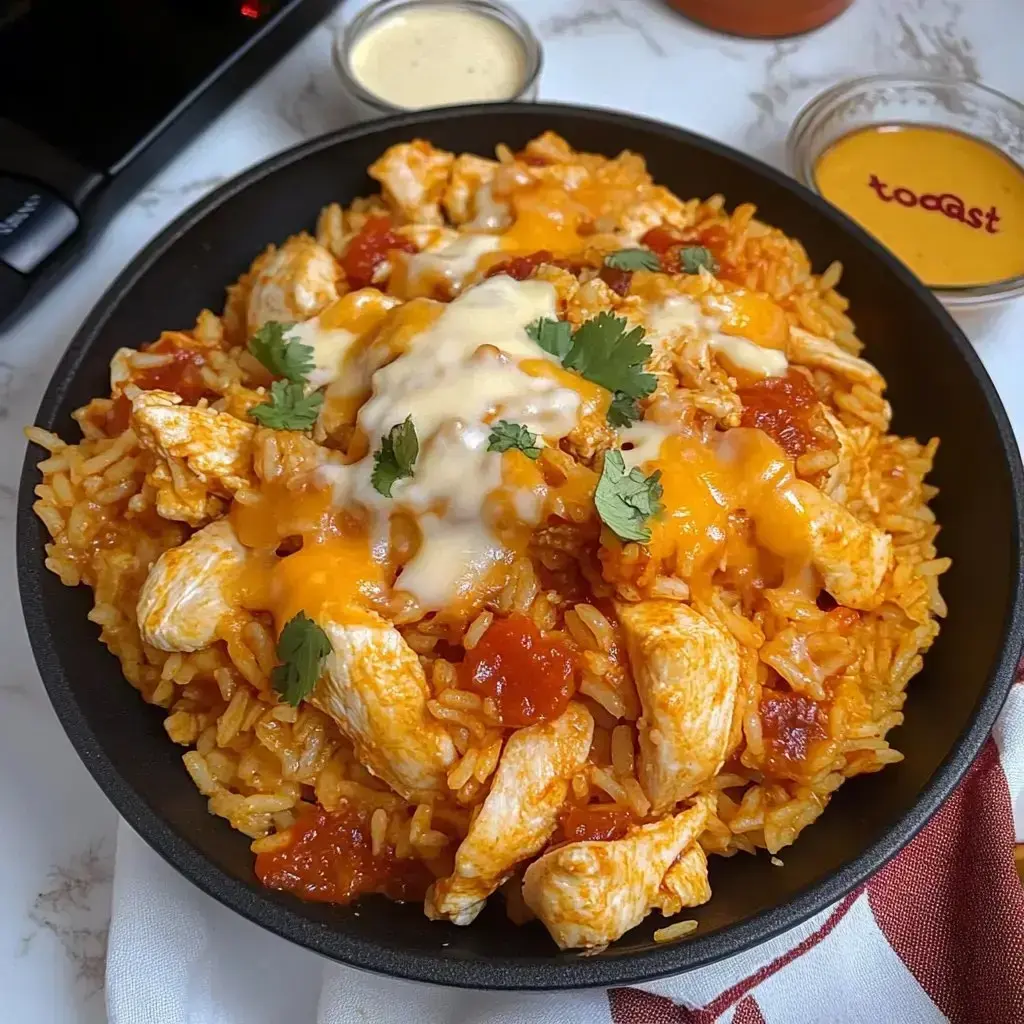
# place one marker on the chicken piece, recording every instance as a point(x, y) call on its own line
point(293, 283)
point(686, 882)
point(469, 199)
point(838, 477)
point(186, 593)
point(590, 893)
point(687, 674)
point(851, 555)
point(216, 447)
point(373, 686)
point(413, 176)
point(519, 814)
point(809, 350)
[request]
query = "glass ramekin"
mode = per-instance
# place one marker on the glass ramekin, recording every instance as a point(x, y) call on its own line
point(876, 100)
point(369, 105)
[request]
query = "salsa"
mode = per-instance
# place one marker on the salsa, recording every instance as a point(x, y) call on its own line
point(369, 249)
point(790, 724)
point(669, 244)
point(530, 677)
point(330, 860)
point(782, 407)
point(183, 375)
point(588, 824)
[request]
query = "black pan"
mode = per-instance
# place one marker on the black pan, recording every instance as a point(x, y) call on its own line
point(937, 386)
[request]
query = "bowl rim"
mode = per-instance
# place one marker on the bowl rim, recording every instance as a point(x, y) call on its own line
point(800, 162)
point(539, 973)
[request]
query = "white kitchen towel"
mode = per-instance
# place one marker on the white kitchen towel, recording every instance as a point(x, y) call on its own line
point(937, 935)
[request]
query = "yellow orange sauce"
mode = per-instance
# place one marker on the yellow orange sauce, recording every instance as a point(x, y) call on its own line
point(950, 206)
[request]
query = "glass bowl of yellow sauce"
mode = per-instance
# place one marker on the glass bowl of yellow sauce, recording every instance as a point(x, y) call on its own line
point(411, 54)
point(933, 169)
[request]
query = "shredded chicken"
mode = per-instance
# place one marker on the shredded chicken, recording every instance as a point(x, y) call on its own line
point(687, 674)
point(413, 176)
point(519, 814)
point(373, 686)
point(589, 894)
point(294, 283)
point(199, 451)
point(189, 590)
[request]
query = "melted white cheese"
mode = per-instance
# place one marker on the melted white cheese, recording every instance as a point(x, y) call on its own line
point(330, 346)
point(641, 443)
point(450, 265)
point(681, 315)
point(456, 378)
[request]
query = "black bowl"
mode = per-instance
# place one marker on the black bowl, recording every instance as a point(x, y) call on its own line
point(937, 386)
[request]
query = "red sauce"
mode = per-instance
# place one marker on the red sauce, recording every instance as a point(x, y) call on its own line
point(790, 724)
point(519, 268)
point(669, 244)
point(369, 249)
point(782, 407)
point(118, 416)
point(529, 676)
point(330, 861)
point(183, 375)
point(588, 824)
point(618, 280)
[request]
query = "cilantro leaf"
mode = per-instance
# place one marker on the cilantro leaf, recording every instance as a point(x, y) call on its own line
point(301, 649)
point(513, 436)
point(693, 257)
point(633, 259)
point(604, 353)
point(399, 449)
point(625, 502)
point(289, 407)
point(554, 336)
point(283, 357)
point(623, 411)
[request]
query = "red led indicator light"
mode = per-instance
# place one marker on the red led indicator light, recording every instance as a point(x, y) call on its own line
point(249, 10)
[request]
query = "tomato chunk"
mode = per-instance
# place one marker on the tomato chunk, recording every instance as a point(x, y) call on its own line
point(790, 724)
point(782, 407)
point(530, 677)
point(183, 374)
point(587, 824)
point(330, 860)
point(369, 249)
point(519, 268)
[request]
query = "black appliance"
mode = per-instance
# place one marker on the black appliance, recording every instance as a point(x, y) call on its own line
point(96, 95)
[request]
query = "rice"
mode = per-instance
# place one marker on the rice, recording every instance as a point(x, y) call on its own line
point(113, 503)
point(679, 930)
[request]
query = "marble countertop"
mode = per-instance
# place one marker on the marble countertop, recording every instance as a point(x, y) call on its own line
point(635, 55)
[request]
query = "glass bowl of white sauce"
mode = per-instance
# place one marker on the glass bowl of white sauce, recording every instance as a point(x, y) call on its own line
point(410, 54)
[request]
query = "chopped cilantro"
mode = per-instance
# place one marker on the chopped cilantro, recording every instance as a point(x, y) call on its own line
point(513, 436)
point(301, 649)
point(554, 336)
point(624, 411)
point(399, 449)
point(288, 408)
point(633, 259)
point(694, 257)
point(283, 357)
point(626, 501)
point(604, 353)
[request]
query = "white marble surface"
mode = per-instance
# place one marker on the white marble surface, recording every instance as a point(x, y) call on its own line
point(635, 55)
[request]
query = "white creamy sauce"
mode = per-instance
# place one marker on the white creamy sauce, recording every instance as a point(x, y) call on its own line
point(641, 443)
point(330, 347)
point(681, 315)
point(451, 265)
point(439, 55)
point(489, 213)
point(458, 376)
